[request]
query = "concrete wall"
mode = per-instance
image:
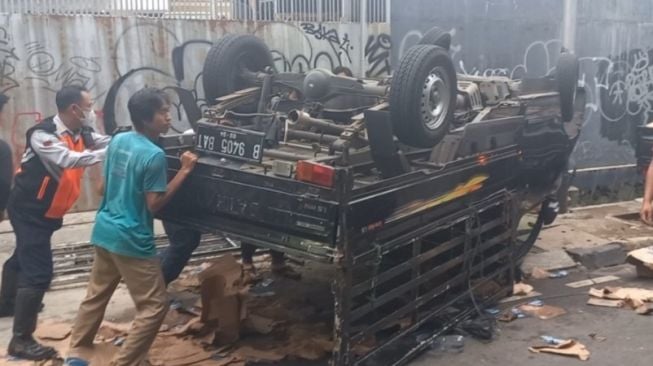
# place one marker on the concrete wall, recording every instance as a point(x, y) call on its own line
point(517, 38)
point(113, 57)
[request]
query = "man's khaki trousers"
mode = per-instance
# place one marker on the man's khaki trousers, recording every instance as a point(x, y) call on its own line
point(145, 284)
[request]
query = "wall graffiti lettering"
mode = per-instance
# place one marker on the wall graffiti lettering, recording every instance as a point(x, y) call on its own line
point(8, 59)
point(341, 45)
point(43, 68)
point(377, 53)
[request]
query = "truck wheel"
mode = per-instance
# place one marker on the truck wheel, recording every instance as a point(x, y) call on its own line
point(567, 73)
point(226, 61)
point(423, 96)
point(436, 37)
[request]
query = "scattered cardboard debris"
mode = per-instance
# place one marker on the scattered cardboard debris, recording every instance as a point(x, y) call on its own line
point(521, 289)
point(109, 331)
point(635, 297)
point(540, 274)
point(593, 281)
point(54, 331)
point(222, 299)
point(606, 303)
point(645, 309)
point(643, 261)
point(257, 355)
point(641, 300)
point(290, 325)
point(569, 348)
point(544, 312)
point(175, 319)
point(176, 352)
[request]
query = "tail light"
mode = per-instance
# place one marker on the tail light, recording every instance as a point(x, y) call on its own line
point(482, 160)
point(319, 174)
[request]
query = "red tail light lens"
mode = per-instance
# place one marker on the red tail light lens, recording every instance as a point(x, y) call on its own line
point(319, 174)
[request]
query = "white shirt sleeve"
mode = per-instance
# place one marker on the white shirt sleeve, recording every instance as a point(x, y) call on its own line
point(49, 148)
point(101, 141)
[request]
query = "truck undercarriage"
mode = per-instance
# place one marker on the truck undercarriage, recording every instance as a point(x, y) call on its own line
point(411, 187)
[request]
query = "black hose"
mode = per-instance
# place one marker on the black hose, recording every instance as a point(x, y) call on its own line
point(266, 90)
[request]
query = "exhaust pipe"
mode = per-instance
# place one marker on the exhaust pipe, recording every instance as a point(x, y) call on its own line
point(303, 118)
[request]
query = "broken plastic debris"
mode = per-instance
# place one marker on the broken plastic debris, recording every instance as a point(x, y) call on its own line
point(543, 312)
point(492, 311)
point(552, 340)
point(518, 313)
point(559, 274)
point(542, 274)
point(449, 343)
point(536, 303)
point(267, 282)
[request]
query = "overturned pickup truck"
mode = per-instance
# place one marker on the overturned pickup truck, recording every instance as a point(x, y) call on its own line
point(411, 187)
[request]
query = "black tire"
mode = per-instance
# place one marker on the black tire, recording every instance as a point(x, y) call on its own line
point(412, 119)
point(436, 37)
point(525, 244)
point(567, 73)
point(225, 60)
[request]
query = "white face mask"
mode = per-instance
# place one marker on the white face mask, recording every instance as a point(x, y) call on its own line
point(90, 118)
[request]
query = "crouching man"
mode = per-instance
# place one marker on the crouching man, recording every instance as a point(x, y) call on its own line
point(135, 176)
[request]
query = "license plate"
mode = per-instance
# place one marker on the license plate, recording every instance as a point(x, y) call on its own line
point(230, 142)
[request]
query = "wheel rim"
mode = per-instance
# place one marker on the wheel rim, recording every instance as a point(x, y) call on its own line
point(435, 99)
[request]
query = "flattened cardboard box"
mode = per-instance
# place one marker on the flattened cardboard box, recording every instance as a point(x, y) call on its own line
point(222, 301)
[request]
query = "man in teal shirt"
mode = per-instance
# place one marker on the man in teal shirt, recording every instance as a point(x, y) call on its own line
point(135, 185)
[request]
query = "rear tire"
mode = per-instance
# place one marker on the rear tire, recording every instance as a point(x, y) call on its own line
point(225, 61)
point(567, 73)
point(436, 36)
point(423, 96)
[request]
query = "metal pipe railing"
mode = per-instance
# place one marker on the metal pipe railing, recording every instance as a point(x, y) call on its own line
point(376, 11)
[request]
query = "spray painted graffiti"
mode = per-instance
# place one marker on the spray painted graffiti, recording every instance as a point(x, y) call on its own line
point(341, 46)
point(377, 53)
point(618, 89)
point(8, 58)
point(315, 46)
point(52, 75)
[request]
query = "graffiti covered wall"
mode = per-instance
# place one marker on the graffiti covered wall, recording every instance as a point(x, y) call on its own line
point(113, 57)
point(522, 38)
